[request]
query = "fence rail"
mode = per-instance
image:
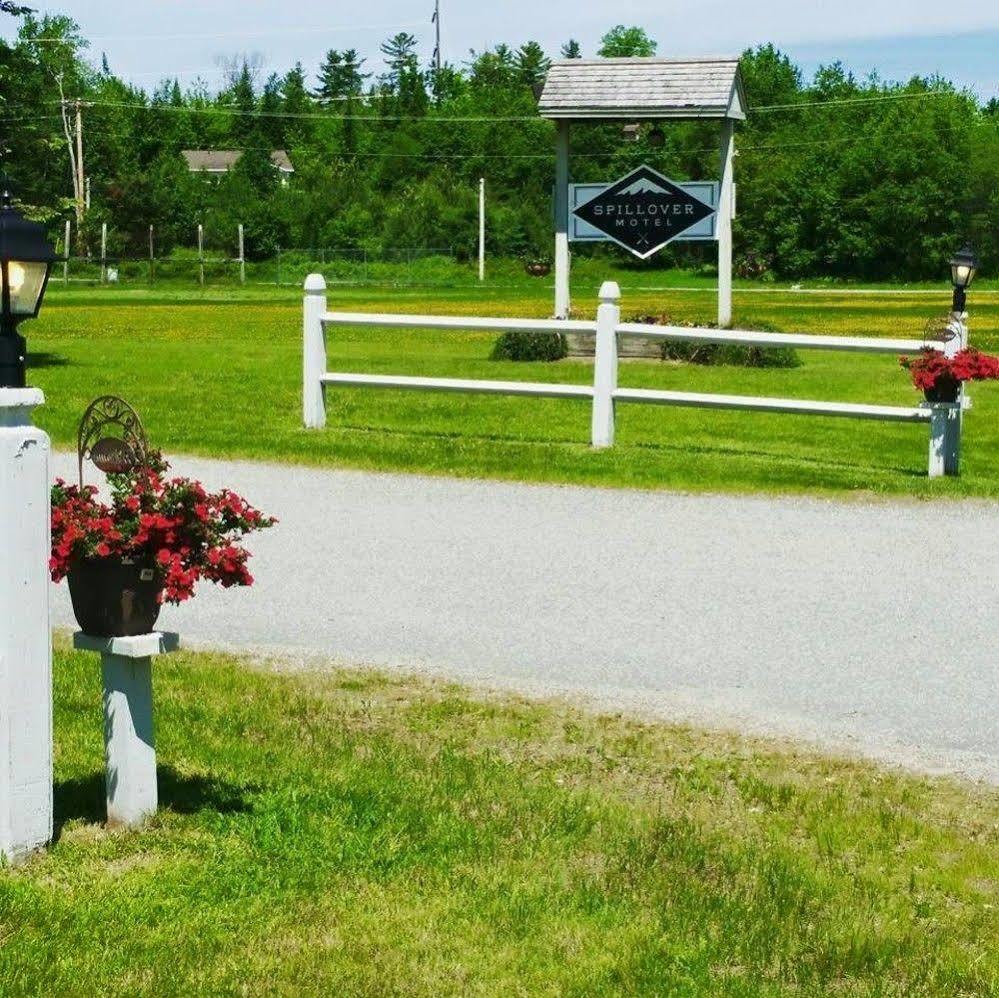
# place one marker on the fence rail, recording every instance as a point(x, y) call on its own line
point(944, 419)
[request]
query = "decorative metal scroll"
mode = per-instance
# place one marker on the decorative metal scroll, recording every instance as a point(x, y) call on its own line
point(111, 435)
point(940, 329)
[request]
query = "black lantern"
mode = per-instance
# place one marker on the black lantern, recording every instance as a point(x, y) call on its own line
point(25, 261)
point(963, 266)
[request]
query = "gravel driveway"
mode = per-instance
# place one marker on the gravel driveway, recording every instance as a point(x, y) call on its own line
point(866, 626)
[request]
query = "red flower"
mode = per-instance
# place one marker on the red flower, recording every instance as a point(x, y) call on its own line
point(932, 367)
point(189, 533)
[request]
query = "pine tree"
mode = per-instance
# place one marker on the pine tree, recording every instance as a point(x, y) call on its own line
point(272, 125)
point(572, 50)
point(244, 105)
point(329, 77)
point(400, 54)
point(533, 66)
point(340, 76)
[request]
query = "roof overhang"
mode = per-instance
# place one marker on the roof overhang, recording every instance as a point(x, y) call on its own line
point(634, 89)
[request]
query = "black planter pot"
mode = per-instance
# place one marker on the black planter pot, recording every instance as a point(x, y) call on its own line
point(538, 268)
point(945, 390)
point(114, 598)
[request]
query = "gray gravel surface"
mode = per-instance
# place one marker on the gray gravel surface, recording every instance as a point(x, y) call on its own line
point(865, 626)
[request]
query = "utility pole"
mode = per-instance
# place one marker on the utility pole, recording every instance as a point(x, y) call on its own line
point(436, 19)
point(80, 185)
point(482, 228)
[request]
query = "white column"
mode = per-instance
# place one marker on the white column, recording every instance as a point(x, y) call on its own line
point(605, 366)
point(725, 197)
point(104, 252)
point(314, 352)
point(482, 228)
point(25, 634)
point(939, 420)
point(952, 427)
point(66, 247)
point(242, 257)
point(129, 745)
point(201, 254)
point(562, 219)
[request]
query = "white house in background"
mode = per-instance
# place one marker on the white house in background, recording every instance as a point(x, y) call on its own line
point(215, 162)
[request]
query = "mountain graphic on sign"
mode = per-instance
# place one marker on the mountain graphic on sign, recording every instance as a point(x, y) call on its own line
point(644, 211)
point(644, 186)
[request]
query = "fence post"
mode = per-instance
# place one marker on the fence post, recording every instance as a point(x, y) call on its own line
point(152, 258)
point(314, 353)
point(104, 252)
point(605, 366)
point(242, 257)
point(201, 255)
point(955, 416)
point(277, 281)
point(65, 263)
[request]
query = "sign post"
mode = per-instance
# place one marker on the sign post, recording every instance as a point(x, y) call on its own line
point(562, 219)
point(725, 224)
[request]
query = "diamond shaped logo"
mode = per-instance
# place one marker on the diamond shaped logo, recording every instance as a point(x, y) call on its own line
point(643, 211)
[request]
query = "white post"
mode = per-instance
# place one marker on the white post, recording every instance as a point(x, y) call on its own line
point(25, 634)
point(955, 417)
point(482, 228)
point(314, 353)
point(129, 745)
point(605, 366)
point(725, 199)
point(104, 252)
point(65, 263)
point(242, 257)
point(939, 427)
point(201, 254)
point(562, 260)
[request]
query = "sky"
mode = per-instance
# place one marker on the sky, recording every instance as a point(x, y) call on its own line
point(146, 40)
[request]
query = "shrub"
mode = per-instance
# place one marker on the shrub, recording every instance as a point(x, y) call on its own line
point(531, 346)
point(713, 354)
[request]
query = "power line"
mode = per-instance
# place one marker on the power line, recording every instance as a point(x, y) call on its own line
point(230, 109)
point(223, 34)
point(818, 105)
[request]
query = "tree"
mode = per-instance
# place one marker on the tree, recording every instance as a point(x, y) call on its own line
point(621, 41)
point(16, 10)
point(340, 76)
point(244, 104)
point(532, 65)
point(400, 54)
point(572, 50)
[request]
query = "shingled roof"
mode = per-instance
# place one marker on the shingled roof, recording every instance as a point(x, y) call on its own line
point(635, 88)
point(223, 160)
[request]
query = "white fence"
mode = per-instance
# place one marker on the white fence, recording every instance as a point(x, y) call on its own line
point(944, 419)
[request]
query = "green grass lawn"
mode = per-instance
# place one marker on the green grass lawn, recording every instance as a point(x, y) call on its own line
point(358, 833)
point(218, 373)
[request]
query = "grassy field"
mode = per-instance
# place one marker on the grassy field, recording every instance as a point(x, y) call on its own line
point(218, 373)
point(356, 833)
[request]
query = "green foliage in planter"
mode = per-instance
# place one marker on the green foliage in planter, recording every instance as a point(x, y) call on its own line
point(530, 346)
point(729, 354)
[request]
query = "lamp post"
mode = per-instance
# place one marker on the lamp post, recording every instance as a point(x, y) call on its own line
point(25, 637)
point(26, 259)
point(963, 267)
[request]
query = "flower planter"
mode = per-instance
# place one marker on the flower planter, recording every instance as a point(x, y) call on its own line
point(115, 597)
point(538, 268)
point(944, 390)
